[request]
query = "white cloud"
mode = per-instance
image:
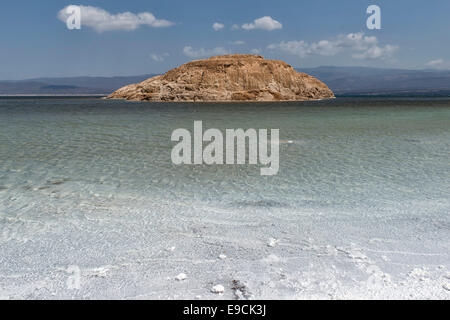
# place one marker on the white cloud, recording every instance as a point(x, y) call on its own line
point(376, 52)
point(218, 26)
point(235, 27)
point(159, 57)
point(101, 20)
point(264, 23)
point(435, 63)
point(201, 52)
point(359, 45)
point(237, 42)
point(255, 51)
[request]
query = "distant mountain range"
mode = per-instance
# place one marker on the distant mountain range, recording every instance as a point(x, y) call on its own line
point(375, 81)
point(342, 80)
point(68, 86)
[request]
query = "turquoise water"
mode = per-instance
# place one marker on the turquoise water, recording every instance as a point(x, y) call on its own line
point(361, 201)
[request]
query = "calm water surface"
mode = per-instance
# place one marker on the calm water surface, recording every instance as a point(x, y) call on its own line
point(361, 200)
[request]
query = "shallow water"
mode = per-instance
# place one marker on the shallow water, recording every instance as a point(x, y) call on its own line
point(359, 209)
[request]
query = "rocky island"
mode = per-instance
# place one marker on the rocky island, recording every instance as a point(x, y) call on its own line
point(237, 77)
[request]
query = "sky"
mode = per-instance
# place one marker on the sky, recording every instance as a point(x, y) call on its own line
point(137, 37)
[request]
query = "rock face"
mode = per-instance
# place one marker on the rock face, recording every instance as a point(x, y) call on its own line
point(237, 77)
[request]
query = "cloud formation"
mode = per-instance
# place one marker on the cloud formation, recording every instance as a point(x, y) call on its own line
point(159, 57)
point(101, 20)
point(435, 63)
point(201, 52)
point(237, 42)
point(359, 45)
point(264, 23)
point(218, 26)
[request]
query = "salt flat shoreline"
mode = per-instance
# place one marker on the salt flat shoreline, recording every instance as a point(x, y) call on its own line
point(266, 259)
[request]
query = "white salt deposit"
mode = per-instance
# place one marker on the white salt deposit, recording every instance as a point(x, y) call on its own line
point(181, 277)
point(218, 289)
point(272, 242)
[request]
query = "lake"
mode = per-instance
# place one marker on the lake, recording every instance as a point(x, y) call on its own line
point(360, 207)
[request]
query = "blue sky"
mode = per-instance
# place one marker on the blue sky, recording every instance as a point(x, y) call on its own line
point(35, 42)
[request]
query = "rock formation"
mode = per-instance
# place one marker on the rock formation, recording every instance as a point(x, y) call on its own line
point(237, 77)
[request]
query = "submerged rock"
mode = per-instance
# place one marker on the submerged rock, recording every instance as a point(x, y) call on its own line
point(237, 77)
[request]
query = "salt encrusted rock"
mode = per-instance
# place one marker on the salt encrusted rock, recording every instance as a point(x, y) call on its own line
point(237, 77)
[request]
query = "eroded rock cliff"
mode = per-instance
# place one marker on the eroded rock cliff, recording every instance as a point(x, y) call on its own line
point(236, 77)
